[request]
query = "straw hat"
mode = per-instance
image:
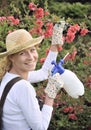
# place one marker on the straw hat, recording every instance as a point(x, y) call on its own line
point(18, 41)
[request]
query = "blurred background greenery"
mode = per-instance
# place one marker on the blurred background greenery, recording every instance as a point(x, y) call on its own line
point(73, 11)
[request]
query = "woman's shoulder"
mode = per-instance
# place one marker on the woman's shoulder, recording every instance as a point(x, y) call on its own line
point(23, 84)
point(22, 88)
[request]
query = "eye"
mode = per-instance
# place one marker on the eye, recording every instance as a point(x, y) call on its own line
point(33, 49)
point(21, 53)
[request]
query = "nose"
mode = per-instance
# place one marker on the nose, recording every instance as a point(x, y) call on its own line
point(30, 56)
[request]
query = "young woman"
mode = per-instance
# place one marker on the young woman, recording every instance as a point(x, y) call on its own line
point(21, 110)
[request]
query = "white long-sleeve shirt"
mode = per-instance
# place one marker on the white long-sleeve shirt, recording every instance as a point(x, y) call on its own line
point(21, 109)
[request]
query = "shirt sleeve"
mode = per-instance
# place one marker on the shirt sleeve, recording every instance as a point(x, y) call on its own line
point(37, 119)
point(42, 74)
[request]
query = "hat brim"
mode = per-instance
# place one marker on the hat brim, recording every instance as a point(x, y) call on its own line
point(31, 43)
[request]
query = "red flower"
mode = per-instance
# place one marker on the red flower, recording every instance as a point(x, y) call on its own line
point(49, 25)
point(39, 22)
point(46, 13)
point(32, 31)
point(77, 27)
point(2, 18)
point(83, 32)
point(60, 48)
point(32, 6)
point(66, 110)
point(48, 33)
point(15, 21)
point(42, 60)
point(69, 109)
point(70, 37)
point(47, 51)
point(72, 117)
point(39, 13)
point(73, 29)
point(39, 31)
point(10, 18)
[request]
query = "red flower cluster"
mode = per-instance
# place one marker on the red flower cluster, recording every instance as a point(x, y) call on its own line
point(41, 26)
point(72, 31)
point(72, 117)
point(10, 20)
point(83, 32)
point(69, 109)
point(39, 13)
point(72, 111)
point(32, 6)
point(49, 28)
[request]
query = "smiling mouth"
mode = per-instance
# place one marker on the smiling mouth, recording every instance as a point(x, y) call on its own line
point(30, 63)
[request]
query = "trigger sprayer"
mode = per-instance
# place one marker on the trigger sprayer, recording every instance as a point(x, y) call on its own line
point(72, 85)
point(58, 68)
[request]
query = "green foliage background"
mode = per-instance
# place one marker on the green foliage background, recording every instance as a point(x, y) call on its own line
point(73, 12)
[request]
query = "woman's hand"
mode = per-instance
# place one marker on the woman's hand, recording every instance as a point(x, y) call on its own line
point(54, 85)
point(57, 37)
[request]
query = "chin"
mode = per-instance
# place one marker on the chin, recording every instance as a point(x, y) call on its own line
point(32, 68)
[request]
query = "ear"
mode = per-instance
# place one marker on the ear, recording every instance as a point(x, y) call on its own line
point(10, 57)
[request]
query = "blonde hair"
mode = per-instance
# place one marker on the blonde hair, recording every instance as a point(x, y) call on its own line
point(5, 65)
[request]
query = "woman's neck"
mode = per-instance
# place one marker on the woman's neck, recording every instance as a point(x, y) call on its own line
point(24, 75)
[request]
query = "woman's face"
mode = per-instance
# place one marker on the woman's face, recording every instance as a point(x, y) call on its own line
point(25, 60)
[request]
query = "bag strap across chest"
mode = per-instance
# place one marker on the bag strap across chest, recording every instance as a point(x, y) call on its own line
point(7, 89)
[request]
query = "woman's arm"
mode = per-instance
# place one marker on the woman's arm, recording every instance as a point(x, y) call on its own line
point(37, 119)
point(57, 41)
point(42, 74)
